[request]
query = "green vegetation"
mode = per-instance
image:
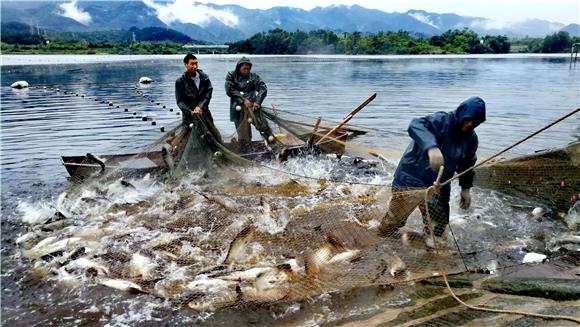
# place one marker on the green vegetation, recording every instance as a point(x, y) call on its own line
point(84, 47)
point(17, 38)
point(555, 43)
point(326, 42)
point(453, 41)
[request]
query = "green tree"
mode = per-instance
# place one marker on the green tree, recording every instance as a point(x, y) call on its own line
point(556, 42)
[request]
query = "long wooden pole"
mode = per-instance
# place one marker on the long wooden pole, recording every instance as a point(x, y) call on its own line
point(348, 117)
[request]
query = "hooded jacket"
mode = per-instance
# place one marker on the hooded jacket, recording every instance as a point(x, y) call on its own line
point(239, 88)
point(442, 130)
point(188, 96)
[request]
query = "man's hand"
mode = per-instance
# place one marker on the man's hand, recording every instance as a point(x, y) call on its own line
point(435, 158)
point(465, 201)
point(197, 111)
point(256, 106)
point(247, 103)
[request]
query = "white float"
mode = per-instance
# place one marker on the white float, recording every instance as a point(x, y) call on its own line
point(145, 80)
point(19, 85)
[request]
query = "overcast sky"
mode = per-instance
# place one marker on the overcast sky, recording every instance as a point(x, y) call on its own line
point(562, 11)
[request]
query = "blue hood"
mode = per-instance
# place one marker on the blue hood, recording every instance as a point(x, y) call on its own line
point(473, 108)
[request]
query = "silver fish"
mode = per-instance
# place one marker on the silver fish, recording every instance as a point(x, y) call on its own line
point(238, 247)
point(167, 157)
point(213, 293)
point(85, 263)
point(122, 285)
point(48, 246)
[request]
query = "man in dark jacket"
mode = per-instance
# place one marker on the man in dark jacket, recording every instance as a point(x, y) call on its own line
point(193, 91)
point(441, 139)
point(246, 90)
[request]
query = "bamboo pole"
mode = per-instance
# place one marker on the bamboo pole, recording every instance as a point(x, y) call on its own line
point(348, 117)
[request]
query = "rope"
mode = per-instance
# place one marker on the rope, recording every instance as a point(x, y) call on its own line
point(513, 145)
point(523, 313)
point(435, 188)
point(458, 248)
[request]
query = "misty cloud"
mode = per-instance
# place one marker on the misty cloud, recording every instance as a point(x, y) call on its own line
point(423, 19)
point(70, 10)
point(490, 24)
point(186, 11)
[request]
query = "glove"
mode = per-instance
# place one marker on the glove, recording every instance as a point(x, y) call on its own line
point(465, 201)
point(435, 158)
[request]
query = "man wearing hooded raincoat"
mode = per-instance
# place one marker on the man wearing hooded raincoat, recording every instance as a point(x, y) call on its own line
point(440, 139)
point(246, 90)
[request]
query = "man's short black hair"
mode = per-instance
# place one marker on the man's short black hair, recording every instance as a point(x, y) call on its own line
point(188, 57)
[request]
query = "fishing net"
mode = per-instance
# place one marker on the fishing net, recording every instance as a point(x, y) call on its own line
point(217, 228)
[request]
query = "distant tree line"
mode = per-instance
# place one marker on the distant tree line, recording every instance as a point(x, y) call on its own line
point(453, 41)
point(21, 38)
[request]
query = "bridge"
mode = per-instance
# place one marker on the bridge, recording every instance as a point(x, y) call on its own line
point(206, 48)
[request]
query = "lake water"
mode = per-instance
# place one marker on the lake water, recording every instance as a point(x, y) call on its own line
point(38, 125)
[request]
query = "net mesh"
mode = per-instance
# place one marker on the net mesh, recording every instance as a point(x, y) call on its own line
point(216, 229)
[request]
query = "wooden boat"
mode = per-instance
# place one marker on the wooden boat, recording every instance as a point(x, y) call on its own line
point(138, 164)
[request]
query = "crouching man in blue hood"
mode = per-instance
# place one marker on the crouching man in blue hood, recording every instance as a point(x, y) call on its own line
point(440, 139)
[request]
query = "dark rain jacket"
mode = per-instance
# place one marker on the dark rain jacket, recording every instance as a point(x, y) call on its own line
point(188, 96)
point(442, 130)
point(239, 88)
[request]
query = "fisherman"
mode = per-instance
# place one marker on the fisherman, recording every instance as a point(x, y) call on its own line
point(193, 91)
point(440, 139)
point(247, 91)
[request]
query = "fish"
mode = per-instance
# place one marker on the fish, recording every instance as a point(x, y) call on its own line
point(330, 252)
point(122, 285)
point(344, 256)
point(73, 255)
point(396, 265)
point(68, 279)
point(127, 184)
point(225, 203)
point(568, 239)
point(48, 246)
point(26, 238)
point(141, 267)
point(56, 222)
point(266, 208)
point(212, 294)
point(538, 212)
point(85, 263)
point(238, 247)
point(164, 239)
point(245, 275)
point(167, 157)
point(270, 285)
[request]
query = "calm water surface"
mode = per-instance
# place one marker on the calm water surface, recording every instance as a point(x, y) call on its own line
point(38, 125)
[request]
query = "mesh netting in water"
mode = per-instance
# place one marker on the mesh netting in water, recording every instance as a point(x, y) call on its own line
point(218, 230)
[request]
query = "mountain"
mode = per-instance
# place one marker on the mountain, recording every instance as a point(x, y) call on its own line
point(20, 33)
point(572, 29)
point(227, 23)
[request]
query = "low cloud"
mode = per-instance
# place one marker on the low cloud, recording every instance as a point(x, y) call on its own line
point(71, 11)
point(186, 11)
point(490, 24)
point(423, 19)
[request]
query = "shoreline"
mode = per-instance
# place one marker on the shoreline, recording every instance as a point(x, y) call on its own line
point(60, 59)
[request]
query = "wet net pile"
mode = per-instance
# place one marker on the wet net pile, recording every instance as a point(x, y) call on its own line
point(198, 223)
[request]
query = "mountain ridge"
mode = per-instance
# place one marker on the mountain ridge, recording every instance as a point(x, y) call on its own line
point(229, 23)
